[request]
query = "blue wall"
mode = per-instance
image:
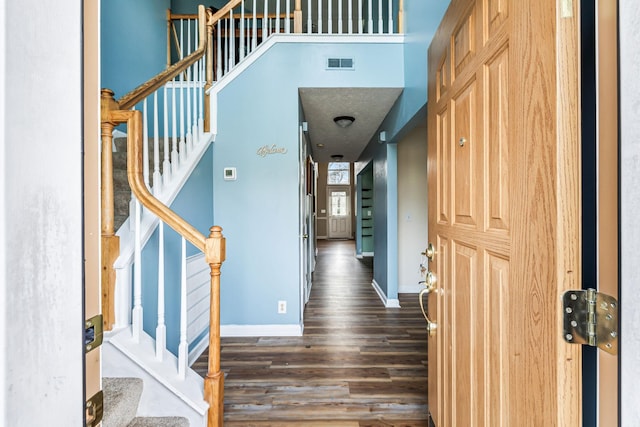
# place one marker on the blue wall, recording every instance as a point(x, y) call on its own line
point(195, 204)
point(422, 18)
point(133, 39)
point(260, 210)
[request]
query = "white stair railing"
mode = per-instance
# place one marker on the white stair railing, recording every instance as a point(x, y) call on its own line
point(243, 27)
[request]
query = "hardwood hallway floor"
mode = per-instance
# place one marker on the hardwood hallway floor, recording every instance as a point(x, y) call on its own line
point(358, 364)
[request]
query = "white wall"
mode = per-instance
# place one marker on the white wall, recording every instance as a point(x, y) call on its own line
point(630, 206)
point(412, 207)
point(41, 329)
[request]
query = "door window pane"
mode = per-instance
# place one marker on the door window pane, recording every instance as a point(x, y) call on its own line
point(338, 173)
point(339, 203)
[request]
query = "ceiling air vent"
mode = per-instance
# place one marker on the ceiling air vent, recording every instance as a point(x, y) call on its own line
point(340, 63)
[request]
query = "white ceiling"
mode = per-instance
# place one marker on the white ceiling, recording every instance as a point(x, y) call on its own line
point(369, 107)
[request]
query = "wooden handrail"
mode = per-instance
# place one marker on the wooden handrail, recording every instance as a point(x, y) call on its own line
point(133, 119)
point(129, 100)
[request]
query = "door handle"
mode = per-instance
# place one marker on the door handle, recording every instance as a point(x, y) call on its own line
point(431, 326)
point(430, 252)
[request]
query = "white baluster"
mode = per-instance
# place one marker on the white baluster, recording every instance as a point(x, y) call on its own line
point(287, 22)
point(145, 144)
point(319, 16)
point(161, 329)
point(350, 19)
point(248, 37)
point(194, 101)
point(380, 20)
point(242, 31)
point(255, 26)
point(277, 16)
point(201, 97)
point(182, 150)
point(136, 313)
point(360, 18)
point(195, 133)
point(157, 178)
point(226, 46)
point(183, 347)
point(232, 41)
point(175, 158)
point(181, 38)
point(219, 50)
point(309, 21)
point(166, 164)
point(265, 21)
point(187, 88)
point(339, 16)
point(370, 21)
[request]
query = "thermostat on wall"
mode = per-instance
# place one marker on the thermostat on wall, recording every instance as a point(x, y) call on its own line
point(229, 174)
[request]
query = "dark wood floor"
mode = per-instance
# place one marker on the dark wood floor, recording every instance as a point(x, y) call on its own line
point(358, 364)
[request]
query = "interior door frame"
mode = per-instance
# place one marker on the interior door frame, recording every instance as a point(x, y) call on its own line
point(91, 186)
point(608, 191)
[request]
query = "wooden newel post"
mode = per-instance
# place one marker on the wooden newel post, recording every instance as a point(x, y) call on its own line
point(297, 18)
point(109, 241)
point(214, 381)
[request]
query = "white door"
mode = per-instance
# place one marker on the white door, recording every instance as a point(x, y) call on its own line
point(339, 213)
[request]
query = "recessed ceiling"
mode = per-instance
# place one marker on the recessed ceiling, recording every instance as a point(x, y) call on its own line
point(368, 106)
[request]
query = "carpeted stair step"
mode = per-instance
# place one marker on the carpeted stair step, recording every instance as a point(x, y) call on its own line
point(159, 422)
point(121, 398)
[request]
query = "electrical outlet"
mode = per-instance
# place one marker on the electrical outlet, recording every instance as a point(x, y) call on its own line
point(282, 307)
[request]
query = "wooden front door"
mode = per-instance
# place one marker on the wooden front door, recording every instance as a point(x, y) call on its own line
point(504, 203)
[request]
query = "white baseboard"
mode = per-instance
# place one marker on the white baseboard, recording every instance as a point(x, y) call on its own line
point(198, 349)
point(389, 303)
point(261, 330)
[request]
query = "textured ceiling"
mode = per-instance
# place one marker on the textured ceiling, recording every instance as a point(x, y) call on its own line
point(369, 107)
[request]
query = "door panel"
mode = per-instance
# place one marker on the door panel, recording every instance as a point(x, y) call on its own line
point(465, 158)
point(444, 174)
point(504, 213)
point(497, 277)
point(497, 146)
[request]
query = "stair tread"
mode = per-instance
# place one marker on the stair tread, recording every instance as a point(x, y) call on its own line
point(121, 398)
point(159, 422)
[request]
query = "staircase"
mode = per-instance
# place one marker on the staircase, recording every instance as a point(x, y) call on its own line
point(121, 398)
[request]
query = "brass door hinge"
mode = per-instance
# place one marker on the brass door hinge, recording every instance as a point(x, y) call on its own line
point(591, 318)
point(93, 333)
point(94, 409)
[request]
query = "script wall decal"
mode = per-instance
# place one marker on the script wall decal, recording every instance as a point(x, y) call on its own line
point(270, 149)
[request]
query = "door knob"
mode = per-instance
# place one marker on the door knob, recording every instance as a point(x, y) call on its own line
point(430, 252)
point(431, 326)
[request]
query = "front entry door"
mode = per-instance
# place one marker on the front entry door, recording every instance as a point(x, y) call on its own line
point(504, 205)
point(339, 213)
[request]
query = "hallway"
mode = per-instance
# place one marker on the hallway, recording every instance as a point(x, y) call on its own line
point(358, 364)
